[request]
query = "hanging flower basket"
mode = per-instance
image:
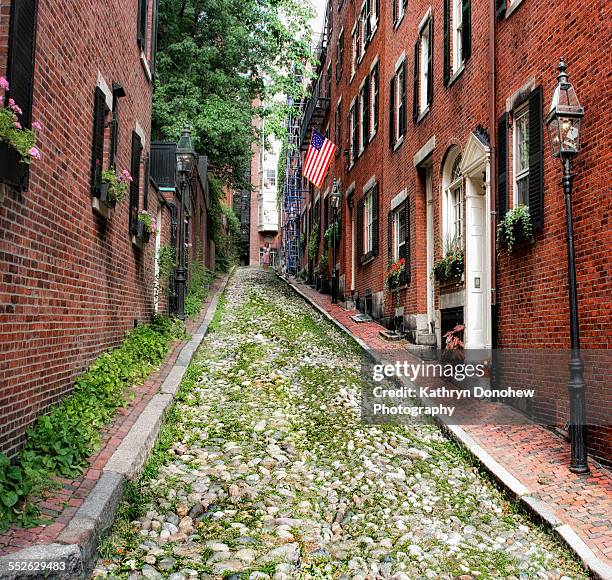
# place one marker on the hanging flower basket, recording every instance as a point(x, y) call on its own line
point(450, 267)
point(395, 274)
point(112, 187)
point(515, 230)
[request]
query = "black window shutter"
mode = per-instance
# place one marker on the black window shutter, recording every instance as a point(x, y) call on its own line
point(142, 23)
point(447, 47)
point(406, 253)
point(360, 230)
point(368, 25)
point(404, 4)
point(392, 90)
point(325, 214)
point(375, 78)
point(501, 8)
point(415, 100)
point(402, 119)
point(375, 226)
point(135, 185)
point(154, 36)
point(536, 158)
point(390, 237)
point(466, 30)
point(20, 74)
point(366, 111)
point(97, 152)
point(394, 2)
point(430, 79)
point(145, 194)
point(502, 166)
point(356, 129)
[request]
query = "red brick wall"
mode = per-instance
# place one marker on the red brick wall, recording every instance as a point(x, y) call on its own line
point(72, 283)
point(532, 286)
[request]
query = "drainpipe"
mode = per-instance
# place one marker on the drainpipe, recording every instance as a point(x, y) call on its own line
point(493, 170)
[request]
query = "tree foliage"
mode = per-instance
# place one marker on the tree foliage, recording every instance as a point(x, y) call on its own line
point(217, 60)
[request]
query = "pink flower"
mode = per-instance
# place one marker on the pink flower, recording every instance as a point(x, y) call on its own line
point(125, 176)
point(4, 84)
point(1, 100)
point(17, 125)
point(36, 126)
point(13, 105)
point(34, 152)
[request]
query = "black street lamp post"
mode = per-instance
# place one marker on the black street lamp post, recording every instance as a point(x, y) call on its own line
point(564, 123)
point(185, 162)
point(334, 199)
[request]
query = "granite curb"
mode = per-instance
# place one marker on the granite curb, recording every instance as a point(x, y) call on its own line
point(540, 510)
point(73, 555)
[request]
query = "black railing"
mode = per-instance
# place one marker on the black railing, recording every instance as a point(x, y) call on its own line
point(315, 107)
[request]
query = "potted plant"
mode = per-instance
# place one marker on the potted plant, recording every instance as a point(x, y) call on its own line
point(145, 226)
point(17, 143)
point(454, 347)
point(323, 266)
point(515, 229)
point(395, 274)
point(331, 233)
point(450, 268)
point(112, 187)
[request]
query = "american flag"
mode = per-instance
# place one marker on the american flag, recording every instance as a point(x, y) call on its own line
point(318, 159)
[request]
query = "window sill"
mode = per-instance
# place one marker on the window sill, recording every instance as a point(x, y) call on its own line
point(398, 22)
point(352, 77)
point(372, 135)
point(456, 74)
point(398, 143)
point(367, 261)
point(145, 66)
point(513, 6)
point(423, 114)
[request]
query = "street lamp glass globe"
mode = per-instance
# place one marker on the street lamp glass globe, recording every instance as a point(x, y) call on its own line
point(564, 118)
point(185, 154)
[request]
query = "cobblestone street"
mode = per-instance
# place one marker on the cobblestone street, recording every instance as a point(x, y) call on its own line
point(264, 470)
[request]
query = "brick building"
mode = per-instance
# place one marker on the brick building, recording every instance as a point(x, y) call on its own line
point(438, 112)
point(77, 270)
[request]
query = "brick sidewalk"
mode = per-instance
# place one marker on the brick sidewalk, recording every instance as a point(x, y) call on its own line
point(535, 456)
point(60, 505)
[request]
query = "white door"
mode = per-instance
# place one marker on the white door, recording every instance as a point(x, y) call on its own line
point(430, 249)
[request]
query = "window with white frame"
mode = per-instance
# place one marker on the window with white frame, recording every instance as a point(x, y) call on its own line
point(399, 7)
point(424, 69)
point(520, 155)
point(374, 90)
point(363, 29)
point(354, 47)
point(270, 180)
point(368, 222)
point(400, 225)
point(457, 19)
point(363, 138)
point(453, 203)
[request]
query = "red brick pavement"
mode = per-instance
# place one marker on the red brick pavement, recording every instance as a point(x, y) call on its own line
point(534, 455)
point(59, 505)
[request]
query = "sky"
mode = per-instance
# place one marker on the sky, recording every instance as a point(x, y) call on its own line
point(317, 23)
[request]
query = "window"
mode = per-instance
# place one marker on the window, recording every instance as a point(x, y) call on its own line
point(367, 225)
point(354, 133)
point(397, 110)
point(135, 184)
point(400, 225)
point(457, 36)
point(423, 70)
point(270, 178)
point(363, 117)
point(143, 16)
point(362, 31)
point(99, 136)
point(354, 45)
point(374, 90)
point(453, 203)
point(520, 155)
point(340, 56)
point(373, 15)
point(338, 127)
point(399, 8)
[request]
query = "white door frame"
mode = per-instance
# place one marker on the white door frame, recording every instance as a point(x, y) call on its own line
point(476, 170)
point(430, 241)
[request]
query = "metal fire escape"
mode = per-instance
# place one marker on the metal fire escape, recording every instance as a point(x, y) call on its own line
point(292, 199)
point(299, 125)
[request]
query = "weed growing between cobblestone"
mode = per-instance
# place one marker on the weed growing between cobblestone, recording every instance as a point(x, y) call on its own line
point(60, 442)
point(264, 469)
